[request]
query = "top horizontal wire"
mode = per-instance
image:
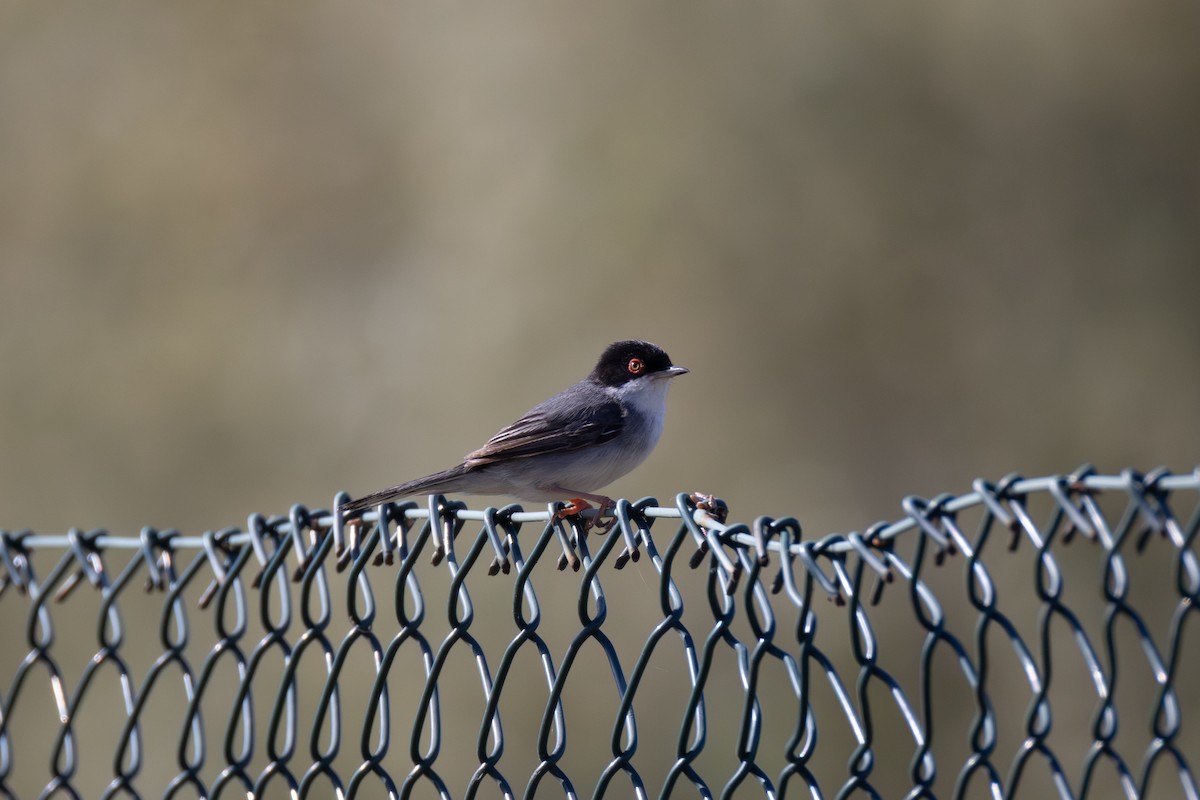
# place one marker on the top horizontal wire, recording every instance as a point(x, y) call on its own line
point(1128, 481)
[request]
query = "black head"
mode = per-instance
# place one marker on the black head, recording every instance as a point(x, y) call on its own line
point(630, 360)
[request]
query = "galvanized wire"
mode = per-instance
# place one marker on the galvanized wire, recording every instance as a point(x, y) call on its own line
point(967, 633)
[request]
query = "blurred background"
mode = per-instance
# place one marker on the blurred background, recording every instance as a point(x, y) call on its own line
point(252, 254)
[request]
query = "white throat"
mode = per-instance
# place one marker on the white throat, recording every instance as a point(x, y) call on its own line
point(646, 401)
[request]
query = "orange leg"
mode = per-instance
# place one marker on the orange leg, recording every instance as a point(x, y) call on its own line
point(574, 506)
point(577, 505)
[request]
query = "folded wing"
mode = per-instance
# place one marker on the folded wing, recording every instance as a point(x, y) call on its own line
point(547, 429)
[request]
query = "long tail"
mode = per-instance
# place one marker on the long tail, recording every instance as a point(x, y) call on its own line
point(430, 484)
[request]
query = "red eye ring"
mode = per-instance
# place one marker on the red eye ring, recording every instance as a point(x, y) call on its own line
point(636, 366)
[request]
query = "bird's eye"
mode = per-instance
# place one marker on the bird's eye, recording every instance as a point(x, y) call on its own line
point(636, 366)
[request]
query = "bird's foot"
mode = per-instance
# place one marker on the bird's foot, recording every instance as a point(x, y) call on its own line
point(578, 505)
point(714, 505)
point(605, 508)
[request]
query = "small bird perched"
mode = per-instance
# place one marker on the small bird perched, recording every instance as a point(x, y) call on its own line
point(578, 441)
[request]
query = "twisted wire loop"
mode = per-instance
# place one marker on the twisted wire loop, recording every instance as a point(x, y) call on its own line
point(313, 656)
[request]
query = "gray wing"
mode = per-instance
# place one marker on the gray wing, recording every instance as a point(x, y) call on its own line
point(568, 421)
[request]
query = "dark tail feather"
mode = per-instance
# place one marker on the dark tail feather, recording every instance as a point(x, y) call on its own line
point(426, 485)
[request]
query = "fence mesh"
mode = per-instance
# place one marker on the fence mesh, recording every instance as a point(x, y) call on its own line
point(1030, 638)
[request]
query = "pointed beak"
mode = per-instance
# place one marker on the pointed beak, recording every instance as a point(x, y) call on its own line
point(675, 372)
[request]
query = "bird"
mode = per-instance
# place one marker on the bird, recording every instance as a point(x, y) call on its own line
point(568, 447)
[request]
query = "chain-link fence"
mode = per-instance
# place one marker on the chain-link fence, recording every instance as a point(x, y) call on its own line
point(1031, 638)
